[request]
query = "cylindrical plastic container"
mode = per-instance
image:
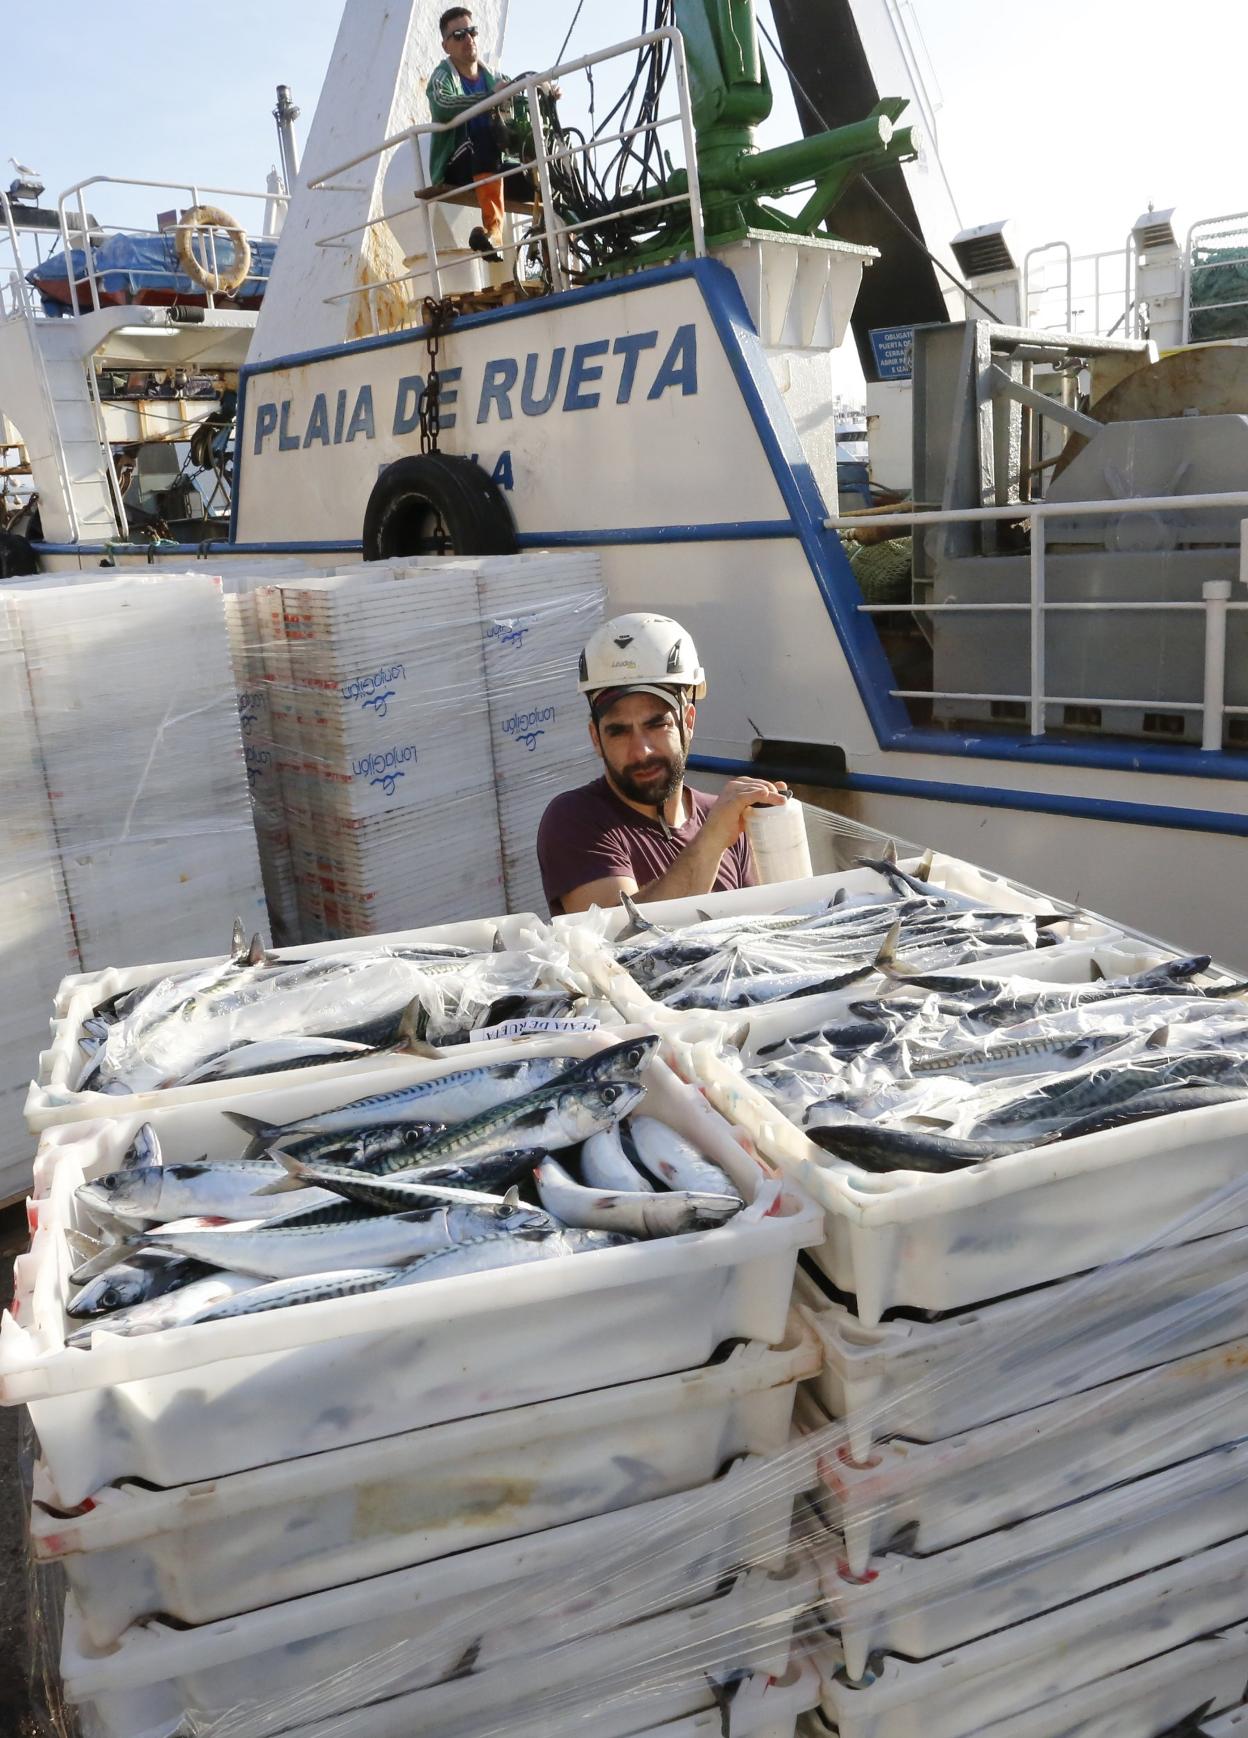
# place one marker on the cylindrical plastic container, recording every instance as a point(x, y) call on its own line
point(777, 835)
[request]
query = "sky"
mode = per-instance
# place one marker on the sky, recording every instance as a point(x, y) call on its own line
point(1069, 116)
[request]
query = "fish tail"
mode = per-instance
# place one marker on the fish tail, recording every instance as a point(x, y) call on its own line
point(263, 1135)
point(411, 1034)
point(886, 960)
point(295, 1178)
point(238, 941)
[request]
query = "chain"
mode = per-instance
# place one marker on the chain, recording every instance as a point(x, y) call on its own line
point(438, 315)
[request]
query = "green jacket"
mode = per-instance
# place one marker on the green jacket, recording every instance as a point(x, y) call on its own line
point(447, 99)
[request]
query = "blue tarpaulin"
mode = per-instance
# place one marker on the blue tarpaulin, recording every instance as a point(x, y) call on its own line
point(144, 269)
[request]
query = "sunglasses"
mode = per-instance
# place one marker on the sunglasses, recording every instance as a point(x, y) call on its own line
point(463, 32)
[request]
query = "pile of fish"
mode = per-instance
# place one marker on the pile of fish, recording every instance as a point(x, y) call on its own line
point(454, 1175)
point(259, 1013)
point(944, 1071)
point(745, 962)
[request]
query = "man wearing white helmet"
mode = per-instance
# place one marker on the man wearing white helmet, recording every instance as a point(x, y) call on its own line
point(640, 829)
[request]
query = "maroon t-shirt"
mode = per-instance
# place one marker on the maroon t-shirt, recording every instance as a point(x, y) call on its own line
point(590, 833)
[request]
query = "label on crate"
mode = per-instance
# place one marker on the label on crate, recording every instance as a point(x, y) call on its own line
point(529, 1028)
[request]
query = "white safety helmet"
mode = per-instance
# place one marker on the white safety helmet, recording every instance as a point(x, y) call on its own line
point(647, 653)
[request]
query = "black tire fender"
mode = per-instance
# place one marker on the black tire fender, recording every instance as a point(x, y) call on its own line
point(471, 506)
point(17, 558)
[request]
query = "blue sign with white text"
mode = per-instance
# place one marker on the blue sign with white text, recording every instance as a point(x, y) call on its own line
point(893, 349)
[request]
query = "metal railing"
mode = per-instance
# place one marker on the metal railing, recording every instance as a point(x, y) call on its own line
point(17, 291)
point(1095, 297)
point(1215, 603)
point(555, 233)
point(79, 235)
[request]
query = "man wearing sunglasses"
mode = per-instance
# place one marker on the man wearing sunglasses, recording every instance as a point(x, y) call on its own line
point(471, 152)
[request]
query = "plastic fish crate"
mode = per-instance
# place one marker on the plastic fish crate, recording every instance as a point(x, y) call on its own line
point(760, 1706)
point(918, 1607)
point(942, 1493)
point(419, 1624)
point(585, 933)
point(927, 1380)
point(316, 1664)
point(200, 1402)
point(1155, 1699)
point(943, 1241)
point(959, 1694)
point(52, 1098)
point(206, 1551)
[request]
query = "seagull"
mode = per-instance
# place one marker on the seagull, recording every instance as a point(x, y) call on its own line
point(23, 168)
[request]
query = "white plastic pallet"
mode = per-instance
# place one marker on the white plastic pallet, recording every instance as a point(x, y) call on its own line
point(921, 1606)
point(52, 1098)
point(315, 1665)
point(927, 1380)
point(1028, 1666)
point(202, 1552)
point(1006, 1472)
point(300, 1381)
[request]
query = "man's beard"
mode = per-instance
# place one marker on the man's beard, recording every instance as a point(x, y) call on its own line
point(656, 790)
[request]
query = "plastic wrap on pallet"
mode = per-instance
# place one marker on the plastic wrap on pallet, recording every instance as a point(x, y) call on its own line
point(407, 724)
point(125, 829)
point(565, 1500)
point(516, 1501)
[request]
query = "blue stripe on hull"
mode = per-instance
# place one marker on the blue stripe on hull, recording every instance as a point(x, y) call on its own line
point(995, 797)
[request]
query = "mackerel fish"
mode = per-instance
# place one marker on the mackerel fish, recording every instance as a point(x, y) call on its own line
point(385, 1240)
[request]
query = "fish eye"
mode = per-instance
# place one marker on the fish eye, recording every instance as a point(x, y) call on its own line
point(109, 1298)
point(412, 1137)
point(610, 1093)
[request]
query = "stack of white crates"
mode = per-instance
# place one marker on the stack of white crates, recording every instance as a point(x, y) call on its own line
point(36, 934)
point(255, 722)
point(133, 698)
point(125, 826)
point(415, 720)
point(1030, 1431)
point(536, 615)
point(383, 745)
point(528, 1501)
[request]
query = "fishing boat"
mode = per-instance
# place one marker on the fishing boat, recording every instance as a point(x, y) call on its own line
point(1052, 666)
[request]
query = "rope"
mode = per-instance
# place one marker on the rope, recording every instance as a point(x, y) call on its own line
point(874, 191)
point(571, 27)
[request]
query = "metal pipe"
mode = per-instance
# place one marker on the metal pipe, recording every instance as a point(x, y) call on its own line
point(286, 114)
point(1217, 594)
point(431, 246)
point(1037, 629)
point(1111, 705)
point(1011, 335)
point(1235, 498)
point(1101, 607)
point(558, 280)
point(691, 146)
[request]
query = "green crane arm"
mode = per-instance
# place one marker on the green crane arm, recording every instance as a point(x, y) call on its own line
point(730, 95)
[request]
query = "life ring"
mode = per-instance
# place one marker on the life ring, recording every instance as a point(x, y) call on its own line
point(205, 217)
point(436, 503)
